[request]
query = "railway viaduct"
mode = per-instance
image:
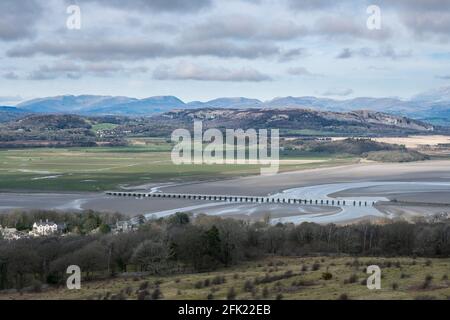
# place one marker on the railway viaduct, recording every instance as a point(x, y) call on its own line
point(240, 199)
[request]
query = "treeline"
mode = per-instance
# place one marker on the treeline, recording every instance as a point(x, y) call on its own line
point(353, 146)
point(363, 147)
point(396, 156)
point(180, 244)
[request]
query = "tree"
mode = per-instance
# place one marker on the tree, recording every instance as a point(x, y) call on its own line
point(178, 218)
point(152, 256)
point(90, 258)
point(104, 228)
point(212, 243)
point(232, 237)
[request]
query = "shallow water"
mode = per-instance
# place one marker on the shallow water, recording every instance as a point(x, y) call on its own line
point(348, 213)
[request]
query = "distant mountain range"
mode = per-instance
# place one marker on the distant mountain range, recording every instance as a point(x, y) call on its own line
point(433, 106)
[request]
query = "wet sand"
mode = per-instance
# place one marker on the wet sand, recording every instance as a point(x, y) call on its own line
point(432, 171)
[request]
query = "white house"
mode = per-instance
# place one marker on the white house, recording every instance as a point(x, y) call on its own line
point(45, 228)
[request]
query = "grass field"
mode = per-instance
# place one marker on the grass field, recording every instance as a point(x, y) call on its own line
point(278, 278)
point(103, 126)
point(102, 168)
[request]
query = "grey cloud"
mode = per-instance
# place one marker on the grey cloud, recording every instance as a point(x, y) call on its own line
point(141, 49)
point(71, 70)
point(190, 71)
point(341, 27)
point(345, 54)
point(42, 74)
point(10, 75)
point(383, 52)
point(311, 4)
point(300, 71)
point(178, 6)
point(428, 23)
point(224, 49)
point(420, 5)
point(45, 72)
point(18, 19)
point(292, 54)
point(436, 5)
point(244, 27)
point(444, 77)
point(390, 52)
point(338, 92)
point(423, 18)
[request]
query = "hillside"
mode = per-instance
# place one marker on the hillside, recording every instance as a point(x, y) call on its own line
point(290, 121)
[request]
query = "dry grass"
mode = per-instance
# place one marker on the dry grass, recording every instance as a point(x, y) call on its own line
point(272, 278)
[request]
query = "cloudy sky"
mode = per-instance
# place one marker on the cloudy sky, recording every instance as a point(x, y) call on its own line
point(203, 49)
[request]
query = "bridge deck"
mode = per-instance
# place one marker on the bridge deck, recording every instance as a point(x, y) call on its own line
point(240, 199)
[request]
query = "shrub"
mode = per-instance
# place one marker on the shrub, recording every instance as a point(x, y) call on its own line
point(142, 294)
point(143, 285)
point(198, 284)
point(352, 279)
point(36, 286)
point(231, 294)
point(315, 266)
point(343, 296)
point(218, 280)
point(428, 279)
point(156, 294)
point(265, 292)
point(248, 286)
point(327, 276)
point(128, 290)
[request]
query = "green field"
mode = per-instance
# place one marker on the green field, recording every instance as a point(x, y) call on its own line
point(102, 168)
point(103, 126)
point(278, 278)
